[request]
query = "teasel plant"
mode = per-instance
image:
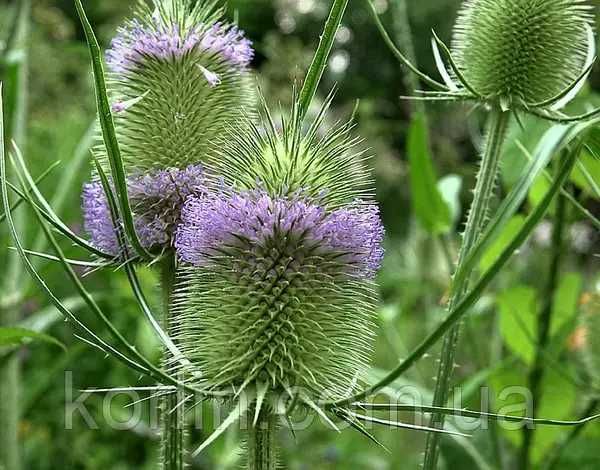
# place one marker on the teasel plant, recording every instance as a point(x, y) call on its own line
point(279, 222)
point(17, 288)
point(511, 58)
point(178, 75)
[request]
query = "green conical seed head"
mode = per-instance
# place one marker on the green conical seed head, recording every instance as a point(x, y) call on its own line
point(263, 320)
point(523, 51)
point(179, 76)
point(277, 291)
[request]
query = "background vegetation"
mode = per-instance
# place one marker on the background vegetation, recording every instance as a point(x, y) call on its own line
point(497, 345)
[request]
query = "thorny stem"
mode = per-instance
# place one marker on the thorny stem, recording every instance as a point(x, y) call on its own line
point(478, 214)
point(536, 374)
point(171, 407)
point(262, 453)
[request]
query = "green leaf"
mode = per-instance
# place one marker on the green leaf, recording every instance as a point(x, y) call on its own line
point(586, 174)
point(429, 206)
point(499, 244)
point(554, 140)
point(557, 400)
point(13, 336)
point(566, 300)
point(449, 187)
point(518, 310)
point(537, 191)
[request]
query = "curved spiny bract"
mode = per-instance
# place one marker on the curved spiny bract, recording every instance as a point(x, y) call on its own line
point(521, 51)
point(178, 76)
point(278, 293)
point(286, 157)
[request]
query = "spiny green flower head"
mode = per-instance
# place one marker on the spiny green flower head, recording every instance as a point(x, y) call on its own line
point(522, 51)
point(179, 74)
point(277, 293)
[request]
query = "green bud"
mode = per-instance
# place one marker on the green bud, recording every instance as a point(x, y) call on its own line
point(522, 51)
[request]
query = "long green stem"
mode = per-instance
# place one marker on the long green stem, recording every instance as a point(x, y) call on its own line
point(484, 190)
point(14, 72)
point(262, 453)
point(536, 373)
point(172, 408)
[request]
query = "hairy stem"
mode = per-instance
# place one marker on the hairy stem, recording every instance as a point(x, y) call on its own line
point(171, 408)
point(536, 374)
point(478, 215)
point(262, 454)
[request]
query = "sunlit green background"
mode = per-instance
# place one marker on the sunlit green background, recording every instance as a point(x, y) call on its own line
point(494, 350)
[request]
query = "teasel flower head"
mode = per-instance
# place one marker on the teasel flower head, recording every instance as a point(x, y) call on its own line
point(157, 200)
point(277, 293)
point(531, 56)
point(179, 73)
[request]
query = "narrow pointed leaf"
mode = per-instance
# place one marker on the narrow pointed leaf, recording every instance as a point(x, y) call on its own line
point(431, 209)
point(109, 134)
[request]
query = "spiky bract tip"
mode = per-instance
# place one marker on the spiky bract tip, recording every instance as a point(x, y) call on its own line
point(285, 157)
point(526, 51)
point(178, 75)
point(277, 292)
point(157, 199)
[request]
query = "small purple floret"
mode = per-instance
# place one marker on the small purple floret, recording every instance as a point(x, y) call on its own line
point(209, 222)
point(97, 221)
point(136, 41)
point(156, 199)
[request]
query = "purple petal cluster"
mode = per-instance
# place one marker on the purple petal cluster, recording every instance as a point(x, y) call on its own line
point(136, 41)
point(156, 200)
point(97, 220)
point(209, 222)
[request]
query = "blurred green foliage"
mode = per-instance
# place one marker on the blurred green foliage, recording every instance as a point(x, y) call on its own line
point(497, 343)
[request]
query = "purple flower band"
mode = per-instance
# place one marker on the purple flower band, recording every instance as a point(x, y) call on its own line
point(136, 41)
point(156, 199)
point(209, 222)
